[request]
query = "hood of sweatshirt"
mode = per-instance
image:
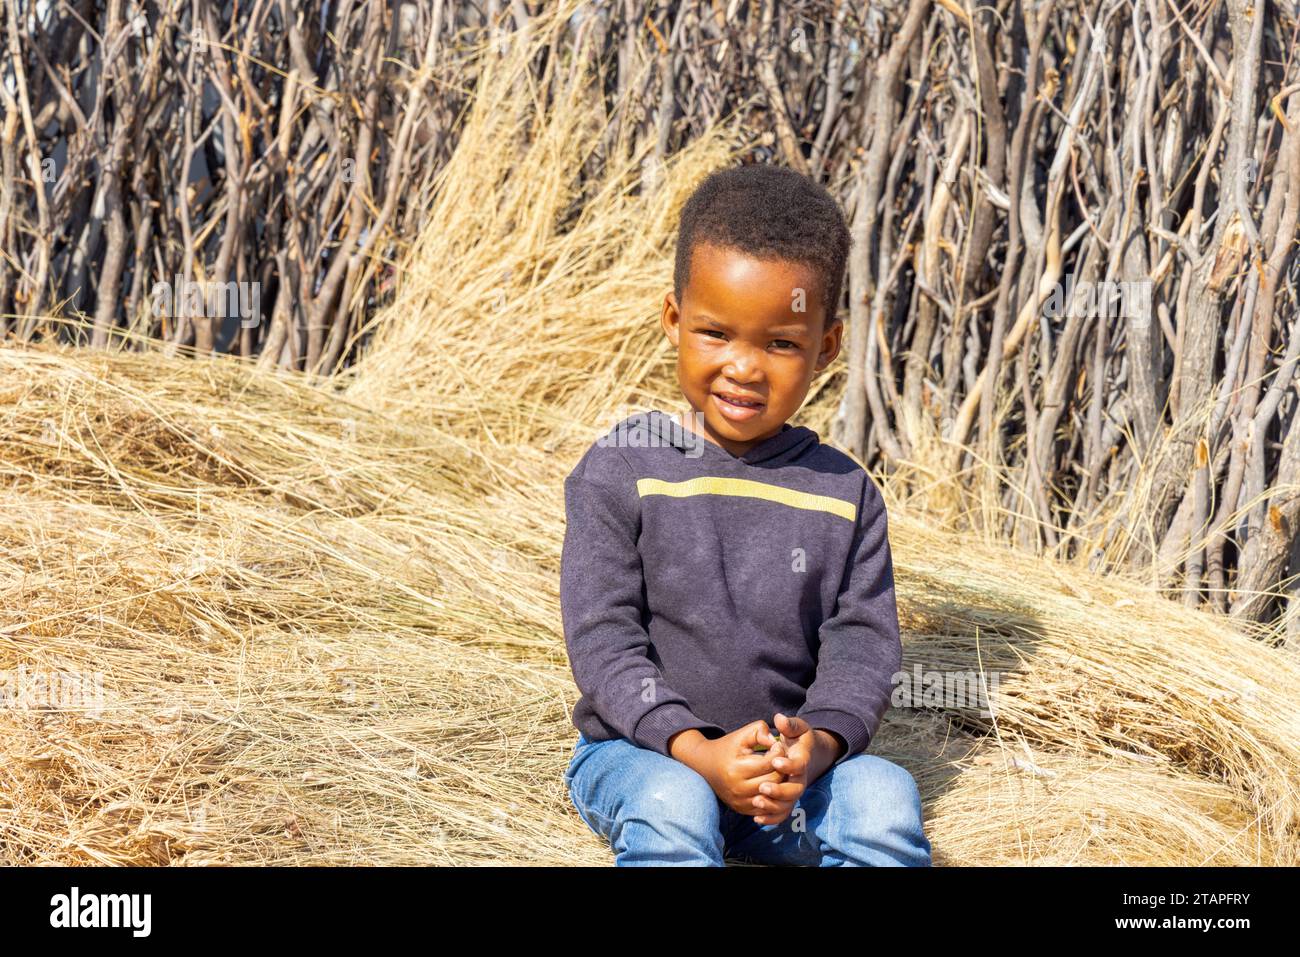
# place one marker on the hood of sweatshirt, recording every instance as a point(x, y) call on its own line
point(788, 444)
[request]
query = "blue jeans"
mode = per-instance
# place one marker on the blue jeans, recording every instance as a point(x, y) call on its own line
point(654, 810)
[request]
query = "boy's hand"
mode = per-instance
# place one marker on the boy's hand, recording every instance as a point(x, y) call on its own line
point(730, 764)
point(801, 756)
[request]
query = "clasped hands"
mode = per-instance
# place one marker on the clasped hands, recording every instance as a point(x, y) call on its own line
point(765, 785)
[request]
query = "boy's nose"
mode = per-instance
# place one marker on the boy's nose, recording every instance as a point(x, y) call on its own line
point(742, 370)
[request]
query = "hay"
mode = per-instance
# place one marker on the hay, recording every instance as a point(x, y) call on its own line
point(327, 619)
point(370, 669)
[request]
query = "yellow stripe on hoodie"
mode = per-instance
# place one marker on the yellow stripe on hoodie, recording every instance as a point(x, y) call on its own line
point(718, 485)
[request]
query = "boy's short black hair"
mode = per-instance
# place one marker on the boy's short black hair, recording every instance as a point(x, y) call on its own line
point(768, 212)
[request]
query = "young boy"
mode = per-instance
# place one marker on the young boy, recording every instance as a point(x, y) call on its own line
point(723, 566)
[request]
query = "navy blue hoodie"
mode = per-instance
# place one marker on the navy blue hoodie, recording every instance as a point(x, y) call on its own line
point(700, 589)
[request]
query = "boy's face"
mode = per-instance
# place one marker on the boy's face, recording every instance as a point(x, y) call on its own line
point(748, 329)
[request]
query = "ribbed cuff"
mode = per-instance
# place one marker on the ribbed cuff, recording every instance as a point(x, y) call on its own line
point(659, 724)
point(849, 727)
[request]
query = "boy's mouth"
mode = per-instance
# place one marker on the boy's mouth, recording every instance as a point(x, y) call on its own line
point(738, 408)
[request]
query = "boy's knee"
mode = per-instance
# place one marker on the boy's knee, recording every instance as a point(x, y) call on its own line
point(674, 795)
point(886, 789)
point(876, 811)
point(870, 771)
point(671, 816)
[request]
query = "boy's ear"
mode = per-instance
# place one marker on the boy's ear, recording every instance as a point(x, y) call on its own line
point(832, 340)
point(670, 320)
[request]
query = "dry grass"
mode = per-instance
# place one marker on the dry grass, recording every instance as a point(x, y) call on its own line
point(328, 625)
point(325, 642)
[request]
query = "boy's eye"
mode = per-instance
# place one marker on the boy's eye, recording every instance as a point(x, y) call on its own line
point(783, 343)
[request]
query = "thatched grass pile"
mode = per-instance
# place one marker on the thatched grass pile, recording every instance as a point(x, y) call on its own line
point(326, 616)
point(330, 637)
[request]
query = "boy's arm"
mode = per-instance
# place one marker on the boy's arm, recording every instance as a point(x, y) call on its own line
point(602, 605)
point(860, 650)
